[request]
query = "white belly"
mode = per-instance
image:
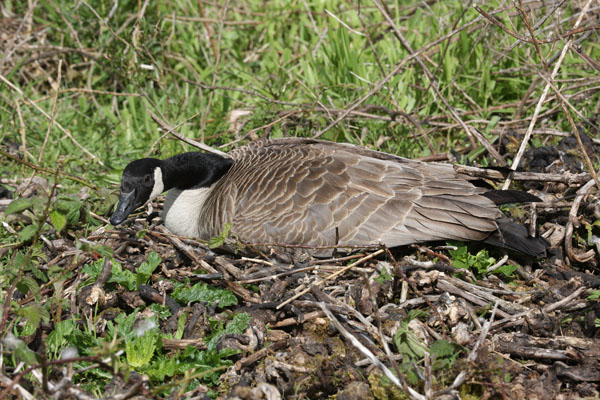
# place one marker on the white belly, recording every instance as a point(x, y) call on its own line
point(181, 211)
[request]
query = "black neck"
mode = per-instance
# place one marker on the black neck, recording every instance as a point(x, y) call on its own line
point(187, 170)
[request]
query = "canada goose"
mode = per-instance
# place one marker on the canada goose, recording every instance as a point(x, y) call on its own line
point(317, 193)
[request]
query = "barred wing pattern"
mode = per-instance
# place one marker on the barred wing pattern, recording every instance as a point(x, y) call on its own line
point(292, 191)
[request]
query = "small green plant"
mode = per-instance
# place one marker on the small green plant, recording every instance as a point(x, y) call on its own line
point(478, 263)
point(124, 277)
point(384, 276)
point(442, 352)
point(594, 295)
point(203, 293)
point(218, 241)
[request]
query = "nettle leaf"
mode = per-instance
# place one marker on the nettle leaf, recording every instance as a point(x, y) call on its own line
point(479, 262)
point(442, 348)
point(444, 353)
point(140, 349)
point(408, 344)
point(28, 232)
point(58, 219)
point(205, 294)
point(24, 353)
point(237, 325)
point(34, 314)
point(18, 205)
point(27, 284)
point(145, 270)
point(123, 277)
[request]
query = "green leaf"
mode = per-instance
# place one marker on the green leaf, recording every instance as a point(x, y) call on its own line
point(383, 277)
point(140, 349)
point(144, 271)
point(34, 314)
point(408, 344)
point(58, 219)
point(123, 277)
point(237, 325)
point(20, 349)
point(203, 293)
point(493, 122)
point(180, 326)
point(442, 348)
point(506, 270)
point(594, 295)
point(444, 354)
point(28, 232)
point(218, 241)
point(28, 284)
point(479, 262)
point(58, 338)
point(18, 205)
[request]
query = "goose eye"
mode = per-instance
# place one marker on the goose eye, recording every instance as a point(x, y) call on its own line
point(148, 179)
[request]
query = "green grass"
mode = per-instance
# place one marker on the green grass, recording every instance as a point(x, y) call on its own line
point(115, 70)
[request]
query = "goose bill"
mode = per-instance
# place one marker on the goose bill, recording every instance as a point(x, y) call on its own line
point(124, 208)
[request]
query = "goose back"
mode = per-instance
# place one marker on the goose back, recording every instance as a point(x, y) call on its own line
point(303, 191)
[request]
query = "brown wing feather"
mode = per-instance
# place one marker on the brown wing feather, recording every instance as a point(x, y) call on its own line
point(300, 191)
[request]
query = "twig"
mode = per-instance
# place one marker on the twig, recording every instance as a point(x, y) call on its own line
point(270, 277)
point(531, 39)
point(382, 338)
point(470, 132)
point(563, 102)
point(52, 113)
point(538, 107)
point(555, 306)
point(48, 171)
point(332, 15)
point(209, 28)
point(581, 193)
point(251, 359)
point(20, 376)
point(567, 177)
point(45, 114)
point(556, 6)
point(217, 21)
point(396, 380)
point(179, 136)
point(22, 131)
point(17, 279)
point(462, 376)
point(498, 265)
point(215, 69)
point(329, 277)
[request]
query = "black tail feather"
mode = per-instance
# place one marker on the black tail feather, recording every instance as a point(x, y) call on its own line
point(510, 196)
point(515, 237)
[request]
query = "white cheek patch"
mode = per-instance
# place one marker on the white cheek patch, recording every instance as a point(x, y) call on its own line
point(159, 185)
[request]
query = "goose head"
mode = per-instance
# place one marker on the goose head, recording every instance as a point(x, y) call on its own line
point(142, 181)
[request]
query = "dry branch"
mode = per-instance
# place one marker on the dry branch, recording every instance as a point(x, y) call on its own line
point(179, 136)
point(566, 177)
point(542, 98)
